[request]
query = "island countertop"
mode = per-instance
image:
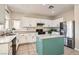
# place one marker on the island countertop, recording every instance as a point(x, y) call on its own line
point(49, 36)
point(6, 39)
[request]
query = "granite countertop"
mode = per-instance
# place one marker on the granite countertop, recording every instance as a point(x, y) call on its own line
point(49, 36)
point(6, 39)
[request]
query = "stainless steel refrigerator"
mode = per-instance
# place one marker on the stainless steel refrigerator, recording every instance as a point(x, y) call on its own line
point(70, 34)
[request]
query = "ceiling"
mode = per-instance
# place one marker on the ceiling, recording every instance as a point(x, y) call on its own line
point(40, 9)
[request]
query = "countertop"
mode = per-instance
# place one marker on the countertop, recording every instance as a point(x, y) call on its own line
point(6, 39)
point(49, 36)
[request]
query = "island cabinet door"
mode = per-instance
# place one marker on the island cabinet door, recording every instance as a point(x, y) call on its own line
point(22, 38)
point(10, 48)
point(50, 46)
point(3, 49)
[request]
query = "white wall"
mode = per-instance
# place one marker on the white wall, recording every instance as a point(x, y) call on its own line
point(68, 15)
point(76, 14)
point(20, 15)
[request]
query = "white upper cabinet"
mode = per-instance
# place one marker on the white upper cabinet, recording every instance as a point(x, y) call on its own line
point(46, 22)
point(28, 22)
point(56, 22)
point(32, 22)
point(2, 14)
point(51, 23)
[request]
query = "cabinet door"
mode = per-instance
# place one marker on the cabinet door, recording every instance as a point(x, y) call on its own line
point(28, 38)
point(3, 49)
point(10, 48)
point(49, 22)
point(25, 23)
point(54, 23)
point(32, 22)
point(21, 38)
point(31, 37)
point(28, 22)
point(45, 23)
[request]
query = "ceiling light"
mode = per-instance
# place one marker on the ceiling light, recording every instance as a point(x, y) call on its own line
point(50, 7)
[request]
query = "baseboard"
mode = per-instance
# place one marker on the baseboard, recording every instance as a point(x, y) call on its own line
point(26, 43)
point(76, 49)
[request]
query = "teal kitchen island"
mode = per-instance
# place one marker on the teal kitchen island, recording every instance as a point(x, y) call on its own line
point(50, 45)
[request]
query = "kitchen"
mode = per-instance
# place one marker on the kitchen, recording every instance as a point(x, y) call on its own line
point(26, 26)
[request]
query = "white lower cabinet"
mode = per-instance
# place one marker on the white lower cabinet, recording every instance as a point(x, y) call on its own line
point(6, 49)
point(26, 38)
point(31, 37)
point(10, 48)
point(22, 38)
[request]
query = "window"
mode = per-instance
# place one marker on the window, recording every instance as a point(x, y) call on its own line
point(16, 24)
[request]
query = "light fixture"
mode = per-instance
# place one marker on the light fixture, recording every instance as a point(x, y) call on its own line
point(51, 7)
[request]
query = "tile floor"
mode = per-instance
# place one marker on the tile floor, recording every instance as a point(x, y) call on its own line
point(30, 49)
point(69, 51)
point(27, 49)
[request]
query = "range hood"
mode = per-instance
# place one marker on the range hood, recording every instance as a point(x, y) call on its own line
point(40, 24)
